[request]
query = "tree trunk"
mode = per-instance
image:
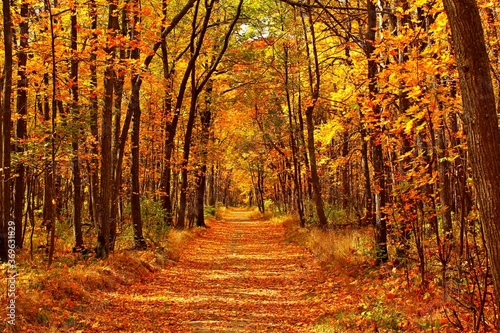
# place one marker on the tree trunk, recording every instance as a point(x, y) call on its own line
point(135, 197)
point(75, 161)
point(119, 137)
point(6, 131)
point(21, 128)
point(185, 158)
point(445, 192)
point(165, 182)
point(103, 239)
point(94, 129)
point(480, 119)
point(205, 118)
point(314, 81)
point(296, 169)
point(53, 167)
point(377, 151)
point(212, 200)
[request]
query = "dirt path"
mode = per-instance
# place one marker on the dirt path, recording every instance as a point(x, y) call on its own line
point(239, 276)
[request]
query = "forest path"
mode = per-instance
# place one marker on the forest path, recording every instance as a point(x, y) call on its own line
point(239, 276)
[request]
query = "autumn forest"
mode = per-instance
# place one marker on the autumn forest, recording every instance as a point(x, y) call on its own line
point(361, 134)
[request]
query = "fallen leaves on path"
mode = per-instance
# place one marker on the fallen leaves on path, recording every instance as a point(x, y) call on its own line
point(238, 276)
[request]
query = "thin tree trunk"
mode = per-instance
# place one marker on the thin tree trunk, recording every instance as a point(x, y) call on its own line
point(296, 170)
point(53, 167)
point(94, 129)
point(165, 183)
point(75, 161)
point(314, 80)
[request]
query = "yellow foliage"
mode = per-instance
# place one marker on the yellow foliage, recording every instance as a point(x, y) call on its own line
point(328, 131)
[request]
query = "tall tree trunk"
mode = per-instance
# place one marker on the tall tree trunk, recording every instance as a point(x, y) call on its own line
point(186, 152)
point(295, 153)
point(21, 128)
point(346, 187)
point(445, 192)
point(118, 144)
point(190, 73)
point(365, 167)
point(314, 81)
point(103, 239)
point(94, 129)
point(205, 118)
point(53, 167)
point(48, 178)
point(135, 196)
point(212, 198)
point(75, 161)
point(377, 151)
point(165, 183)
point(480, 118)
point(6, 131)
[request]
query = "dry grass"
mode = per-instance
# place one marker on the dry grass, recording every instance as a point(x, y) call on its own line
point(177, 241)
point(220, 212)
point(339, 247)
point(335, 248)
point(257, 215)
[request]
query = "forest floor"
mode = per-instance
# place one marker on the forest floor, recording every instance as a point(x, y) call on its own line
point(242, 274)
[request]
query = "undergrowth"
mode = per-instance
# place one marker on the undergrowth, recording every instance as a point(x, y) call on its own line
point(55, 299)
point(332, 247)
point(370, 298)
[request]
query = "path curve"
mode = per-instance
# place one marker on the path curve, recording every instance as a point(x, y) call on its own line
point(239, 276)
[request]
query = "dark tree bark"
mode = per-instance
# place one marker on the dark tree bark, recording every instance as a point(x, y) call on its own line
point(445, 192)
point(53, 167)
point(94, 129)
point(480, 119)
point(75, 161)
point(167, 114)
point(365, 167)
point(205, 119)
point(187, 138)
point(212, 191)
point(21, 127)
point(103, 239)
point(6, 131)
point(135, 196)
point(346, 186)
